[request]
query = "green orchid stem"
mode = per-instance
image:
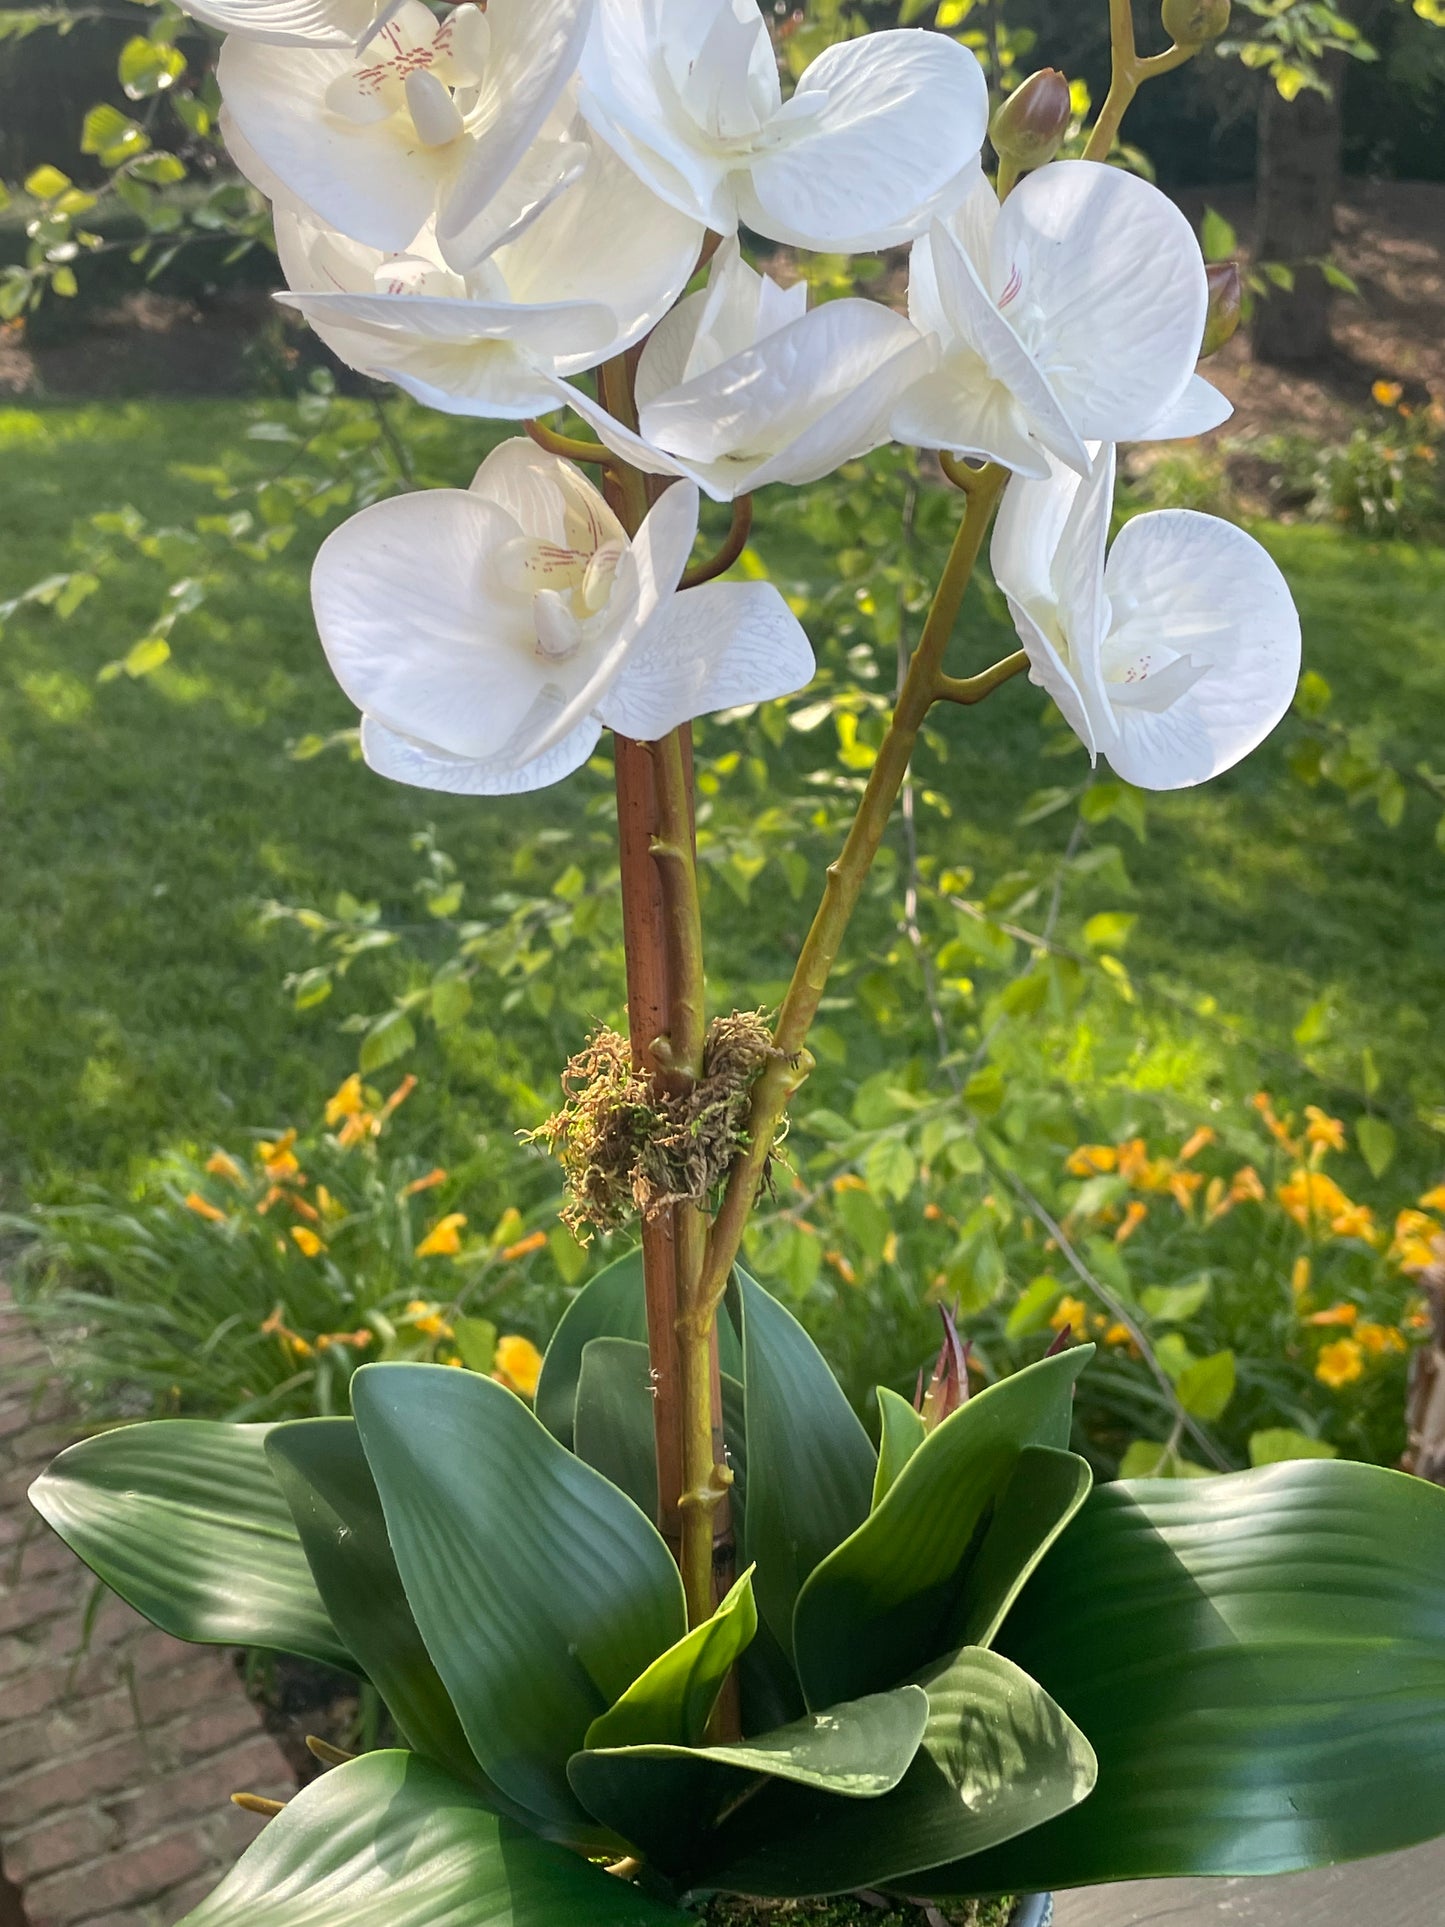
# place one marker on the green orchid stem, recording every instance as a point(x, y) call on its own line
point(924, 685)
point(973, 689)
point(733, 545)
point(567, 446)
point(1128, 72)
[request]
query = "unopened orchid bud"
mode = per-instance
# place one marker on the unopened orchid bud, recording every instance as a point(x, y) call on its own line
point(1226, 294)
point(1190, 23)
point(1028, 127)
point(948, 1388)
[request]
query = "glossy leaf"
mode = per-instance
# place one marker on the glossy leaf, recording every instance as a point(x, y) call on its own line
point(664, 1799)
point(183, 1519)
point(392, 1841)
point(900, 1433)
point(672, 1701)
point(997, 1757)
point(883, 1603)
point(613, 1423)
point(611, 1305)
point(1259, 1661)
point(322, 1472)
point(810, 1465)
point(541, 1591)
point(1044, 1491)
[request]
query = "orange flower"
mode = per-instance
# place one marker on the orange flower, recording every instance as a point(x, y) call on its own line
point(524, 1247)
point(1327, 1133)
point(1216, 1199)
point(1132, 1158)
point(1195, 1142)
point(278, 1160)
point(1183, 1185)
point(398, 1097)
point(203, 1208)
point(1387, 393)
point(428, 1183)
point(932, 1212)
point(306, 1241)
point(849, 1181)
point(444, 1238)
point(1378, 1339)
point(1278, 1128)
point(1336, 1315)
point(357, 1341)
point(1340, 1364)
point(348, 1100)
point(221, 1164)
point(841, 1265)
point(291, 1342)
point(517, 1363)
point(1091, 1160)
point(1117, 1334)
point(1434, 1200)
point(1355, 1221)
point(1316, 1202)
point(1070, 1314)
point(1134, 1216)
point(1413, 1245)
point(427, 1319)
point(1246, 1184)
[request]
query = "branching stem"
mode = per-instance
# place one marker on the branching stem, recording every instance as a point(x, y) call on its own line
point(567, 446)
point(1127, 74)
point(735, 541)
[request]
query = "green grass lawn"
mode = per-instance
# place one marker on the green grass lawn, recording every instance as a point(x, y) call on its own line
point(145, 821)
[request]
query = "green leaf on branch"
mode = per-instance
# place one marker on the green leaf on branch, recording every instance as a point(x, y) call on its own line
point(322, 1472)
point(1206, 1386)
point(665, 1799)
point(493, 1524)
point(998, 1756)
point(392, 1841)
point(880, 1606)
point(112, 136)
point(671, 1703)
point(1276, 1443)
point(1259, 1661)
point(810, 1464)
point(1376, 1140)
point(183, 1518)
point(148, 67)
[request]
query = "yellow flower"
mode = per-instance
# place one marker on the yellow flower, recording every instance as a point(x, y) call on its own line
point(427, 1319)
point(1183, 1185)
point(1134, 1216)
point(1132, 1158)
point(841, 1265)
point(890, 1249)
point(1434, 1200)
point(1413, 1245)
point(1070, 1314)
point(517, 1364)
point(428, 1183)
point(1387, 393)
point(1216, 1199)
point(1196, 1142)
point(524, 1247)
point(1246, 1184)
point(1326, 1132)
point(1378, 1339)
point(306, 1240)
point(849, 1181)
point(1118, 1334)
point(1090, 1160)
point(1355, 1221)
point(1312, 1199)
point(279, 1159)
point(348, 1100)
point(221, 1165)
point(1335, 1315)
point(1299, 1277)
point(1340, 1364)
point(444, 1238)
point(203, 1208)
point(1278, 1128)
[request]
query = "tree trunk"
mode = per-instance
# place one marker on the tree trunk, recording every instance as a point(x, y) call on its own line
point(1425, 1411)
point(1298, 183)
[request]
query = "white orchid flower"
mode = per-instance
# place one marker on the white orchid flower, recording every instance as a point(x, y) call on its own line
point(424, 120)
point(1176, 656)
point(489, 634)
point(1074, 313)
point(878, 131)
point(741, 385)
point(317, 23)
point(583, 281)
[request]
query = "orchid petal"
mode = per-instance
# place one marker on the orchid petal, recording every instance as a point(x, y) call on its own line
point(623, 441)
point(556, 328)
point(546, 497)
point(903, 112)
point(1110, 273)
point(1198, 410)
point(406, 761)
point(315, 23)
point(717, 647)
point(1189, 586)
point(1049, 672)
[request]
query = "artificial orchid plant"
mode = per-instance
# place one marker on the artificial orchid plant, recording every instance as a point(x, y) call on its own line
point(685, 1628)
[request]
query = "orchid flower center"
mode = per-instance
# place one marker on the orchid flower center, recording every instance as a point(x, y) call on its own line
point(725, 88)
point(570, 590)
point(425, 74)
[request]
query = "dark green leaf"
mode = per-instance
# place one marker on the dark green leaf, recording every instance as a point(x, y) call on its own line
point(664, 1799)
point(1044, 1491)
point(810, 1465)
point(183, 1518)
point(671, 1703)
point(1259, 1661)
point(900, 1433)
point(612, 1424)
point(997, 1757)
point(541, 1591)
point(322, 1471)
point(880, 1606)
point(392, 1841)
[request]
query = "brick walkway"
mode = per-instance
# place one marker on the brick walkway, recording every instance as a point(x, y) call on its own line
point(119, 1746)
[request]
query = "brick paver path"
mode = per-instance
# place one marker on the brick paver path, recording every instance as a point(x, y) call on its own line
point(119, 1747)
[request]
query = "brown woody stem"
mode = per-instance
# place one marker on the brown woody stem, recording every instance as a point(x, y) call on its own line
point(734, 544)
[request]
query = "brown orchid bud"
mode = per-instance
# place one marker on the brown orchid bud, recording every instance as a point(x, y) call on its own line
point(1190, 23)
point(948, 1388)
point(1226, 293)
point(1029, 125)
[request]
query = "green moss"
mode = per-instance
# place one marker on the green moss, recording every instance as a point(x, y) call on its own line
point(849, 1910)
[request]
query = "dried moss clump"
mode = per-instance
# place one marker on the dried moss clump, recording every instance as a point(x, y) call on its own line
point(852, 1910)
point(627, 1150)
